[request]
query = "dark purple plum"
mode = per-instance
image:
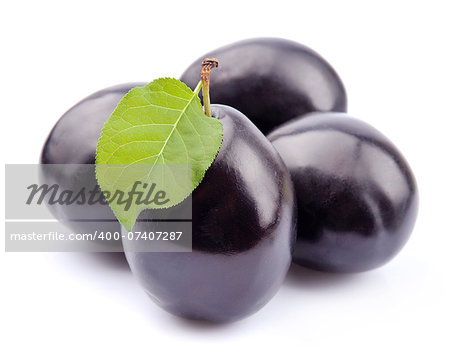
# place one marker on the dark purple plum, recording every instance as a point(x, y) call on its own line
point(243, 230)
point(73, 141)
point(357, 197)
point(271, 81)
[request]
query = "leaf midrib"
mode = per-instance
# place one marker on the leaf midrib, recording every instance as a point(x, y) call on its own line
point(173, 129)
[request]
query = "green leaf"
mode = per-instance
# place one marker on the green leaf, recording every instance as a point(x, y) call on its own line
point(158, 134)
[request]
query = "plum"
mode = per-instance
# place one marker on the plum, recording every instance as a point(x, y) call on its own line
point(357, 196)
point(72, 142)
point(271, 81)
point(243, 230)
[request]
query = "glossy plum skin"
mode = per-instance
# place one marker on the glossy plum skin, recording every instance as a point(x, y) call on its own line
point(271, 81)
point(357, 197)
point(243, 232)
point(73, 140)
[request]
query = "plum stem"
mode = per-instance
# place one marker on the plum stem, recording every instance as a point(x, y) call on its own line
point(207, 65)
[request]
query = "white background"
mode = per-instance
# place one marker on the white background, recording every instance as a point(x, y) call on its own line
point(394, 59)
